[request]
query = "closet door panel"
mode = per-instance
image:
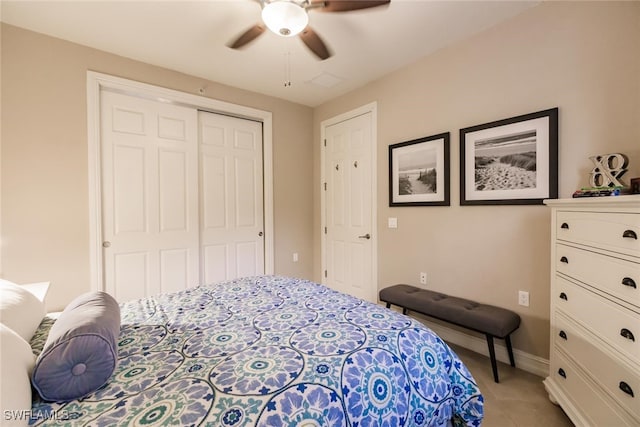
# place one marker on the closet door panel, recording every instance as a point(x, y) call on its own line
point(232, 218)
point(149, 173)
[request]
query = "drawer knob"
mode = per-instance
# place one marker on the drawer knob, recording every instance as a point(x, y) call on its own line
point(562, 373)
point(564, 259)
point(565, 226)
point(626, 388)
point(628, 281)
point(630, 234)
point(563, 335)
point(563, 296)
point(624, 332)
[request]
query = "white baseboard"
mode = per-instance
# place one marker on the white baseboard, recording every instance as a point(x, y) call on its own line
point(527, 362)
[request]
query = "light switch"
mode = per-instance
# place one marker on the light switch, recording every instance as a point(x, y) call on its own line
point(393, 222)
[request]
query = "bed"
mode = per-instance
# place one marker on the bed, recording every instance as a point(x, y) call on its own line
point(271, 351)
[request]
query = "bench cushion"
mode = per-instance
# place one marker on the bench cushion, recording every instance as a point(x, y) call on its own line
point(488, 319)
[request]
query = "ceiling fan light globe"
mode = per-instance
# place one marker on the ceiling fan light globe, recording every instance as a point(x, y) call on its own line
point(285, 18)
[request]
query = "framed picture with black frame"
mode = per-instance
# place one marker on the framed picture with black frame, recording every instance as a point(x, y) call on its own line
point(419, 172)
point(510, 162)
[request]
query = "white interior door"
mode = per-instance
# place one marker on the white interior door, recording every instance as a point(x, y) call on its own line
point(349, 232)
point(149, 196)
point(232, 208)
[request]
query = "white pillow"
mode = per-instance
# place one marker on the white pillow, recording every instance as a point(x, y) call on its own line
point(16, 364)
point(20, 310)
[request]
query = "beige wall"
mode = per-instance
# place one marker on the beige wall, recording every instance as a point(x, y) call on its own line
point(44, 193)
point(581, 57)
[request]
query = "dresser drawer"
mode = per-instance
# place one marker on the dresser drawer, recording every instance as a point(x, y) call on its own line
point(620, 380)
point(615, 276)
point(591, 402)
point(617, 232)
point(612, 323)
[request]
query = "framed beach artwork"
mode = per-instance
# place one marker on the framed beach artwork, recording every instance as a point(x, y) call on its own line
point(419, 172)
point(510, 162)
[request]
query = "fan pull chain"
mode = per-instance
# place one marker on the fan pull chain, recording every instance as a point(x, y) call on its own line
point(287, 70)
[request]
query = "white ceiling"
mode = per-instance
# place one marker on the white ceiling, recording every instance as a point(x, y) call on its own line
point(191, 37)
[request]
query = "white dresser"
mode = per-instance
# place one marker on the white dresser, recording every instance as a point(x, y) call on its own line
point(594, 372)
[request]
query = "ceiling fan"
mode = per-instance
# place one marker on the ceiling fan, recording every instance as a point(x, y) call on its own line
point(288, 18)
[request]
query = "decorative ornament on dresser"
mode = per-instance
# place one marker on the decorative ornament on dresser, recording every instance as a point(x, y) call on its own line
point(635, 185)
point(608, 170)
point(606, 176)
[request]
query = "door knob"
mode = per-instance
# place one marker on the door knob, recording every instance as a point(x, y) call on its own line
point(366, 236)
point(106, 244)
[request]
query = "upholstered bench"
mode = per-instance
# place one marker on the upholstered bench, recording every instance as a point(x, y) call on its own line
point(490, 320)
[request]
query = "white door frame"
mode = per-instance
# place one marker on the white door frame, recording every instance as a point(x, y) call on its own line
point(96, 82)
point(368, 108)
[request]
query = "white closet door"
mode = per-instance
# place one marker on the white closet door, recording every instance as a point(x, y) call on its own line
point(231, 199)
point(349, 207)
point(149, 196)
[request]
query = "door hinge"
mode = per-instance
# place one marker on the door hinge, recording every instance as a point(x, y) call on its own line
point(325, 230)
point(325, 274)
point(325, 142)
point(325, 186)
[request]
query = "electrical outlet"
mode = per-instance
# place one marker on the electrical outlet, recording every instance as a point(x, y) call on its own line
point(523, 298)
point(295, 257)
point(423, 278)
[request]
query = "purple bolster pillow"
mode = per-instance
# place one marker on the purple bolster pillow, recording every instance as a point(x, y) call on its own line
point(81, 351)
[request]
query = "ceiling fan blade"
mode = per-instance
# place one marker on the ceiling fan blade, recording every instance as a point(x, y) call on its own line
point(247, 37)
point(315, 43)
point(346, 5)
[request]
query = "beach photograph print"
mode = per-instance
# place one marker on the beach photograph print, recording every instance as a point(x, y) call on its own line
point(419, 172)
point(510, 161)
point(506, 162)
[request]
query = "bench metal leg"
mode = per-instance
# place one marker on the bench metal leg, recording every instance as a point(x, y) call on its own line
point(492, 355)
point(507, 340)
point(404, 310)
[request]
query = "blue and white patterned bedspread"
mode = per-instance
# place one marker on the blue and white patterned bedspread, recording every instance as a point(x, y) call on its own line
point(274, 351)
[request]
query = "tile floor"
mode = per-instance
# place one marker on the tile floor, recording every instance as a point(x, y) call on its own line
point(518, 400)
